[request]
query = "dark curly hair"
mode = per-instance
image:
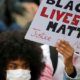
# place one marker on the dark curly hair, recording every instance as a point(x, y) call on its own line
point(14, 46)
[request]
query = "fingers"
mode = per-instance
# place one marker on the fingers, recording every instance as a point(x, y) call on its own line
point(64, 48)
point(63, 45)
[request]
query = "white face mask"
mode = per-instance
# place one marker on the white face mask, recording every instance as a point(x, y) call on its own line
point(18, 74)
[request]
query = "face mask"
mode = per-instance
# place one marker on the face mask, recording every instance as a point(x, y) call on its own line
point(18, 74)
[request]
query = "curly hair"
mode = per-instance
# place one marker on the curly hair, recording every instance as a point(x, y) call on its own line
point(14, 46)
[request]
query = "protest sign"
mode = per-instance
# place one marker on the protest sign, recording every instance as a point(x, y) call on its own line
point(55, 20)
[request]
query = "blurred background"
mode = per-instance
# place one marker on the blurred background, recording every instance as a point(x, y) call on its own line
point(17, 14)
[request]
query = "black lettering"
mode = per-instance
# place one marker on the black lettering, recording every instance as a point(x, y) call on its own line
point(58, 4)
point(69, 5)
point(77, 8)
point(52, 26)
point(63, 28)
point(71, 28)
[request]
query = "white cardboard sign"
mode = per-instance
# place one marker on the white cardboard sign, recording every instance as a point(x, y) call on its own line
point(56, 19)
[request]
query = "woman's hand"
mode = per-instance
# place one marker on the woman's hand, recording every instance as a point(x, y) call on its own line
point(67, 51)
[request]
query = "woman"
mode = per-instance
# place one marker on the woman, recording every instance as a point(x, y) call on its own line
point(19, 59)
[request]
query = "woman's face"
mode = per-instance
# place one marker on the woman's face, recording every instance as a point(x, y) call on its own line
point(18, 70)
point(17, 64)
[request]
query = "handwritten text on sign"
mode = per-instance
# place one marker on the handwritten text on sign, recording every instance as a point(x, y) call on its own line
point(56, 19)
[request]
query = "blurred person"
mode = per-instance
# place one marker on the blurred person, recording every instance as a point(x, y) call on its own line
point(7, 20)
point(18, 12)
point(19, 59)
point(31, 8)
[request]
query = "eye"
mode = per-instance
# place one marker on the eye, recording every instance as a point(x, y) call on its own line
point(12, 66)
